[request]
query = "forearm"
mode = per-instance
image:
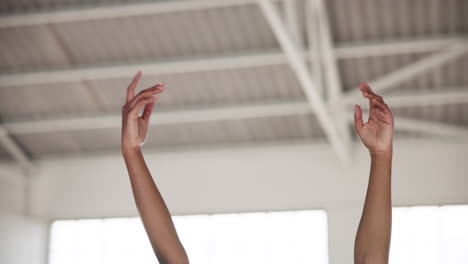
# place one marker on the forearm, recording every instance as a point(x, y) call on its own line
point(154, 213)
point(373, 236)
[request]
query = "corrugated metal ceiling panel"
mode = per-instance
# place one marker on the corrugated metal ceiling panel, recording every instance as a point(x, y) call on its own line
point(367, 20)
point(301, 127)
point(180, 34)
point(4, 156)
point(31, 47)
point(40, 101)
point(241, 86)
point(248, 85)
point(212, 32)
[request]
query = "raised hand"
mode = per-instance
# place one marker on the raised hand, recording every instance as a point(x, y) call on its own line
point(135, 127)
point(372, 242)
point(153, 211)
point(377, 133)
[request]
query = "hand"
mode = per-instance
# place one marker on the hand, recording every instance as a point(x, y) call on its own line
point(377, 133)
point(135, 127)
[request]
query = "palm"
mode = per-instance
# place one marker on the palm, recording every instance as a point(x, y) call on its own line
point(142, 130)
point(377, 133)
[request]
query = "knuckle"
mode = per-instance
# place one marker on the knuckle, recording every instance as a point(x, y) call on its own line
point(129, 110)
point(146, 91)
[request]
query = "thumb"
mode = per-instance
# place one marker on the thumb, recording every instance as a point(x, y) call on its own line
point(358, 122)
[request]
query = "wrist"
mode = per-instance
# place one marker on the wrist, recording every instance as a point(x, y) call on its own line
point(129, 151)
point(381, 154)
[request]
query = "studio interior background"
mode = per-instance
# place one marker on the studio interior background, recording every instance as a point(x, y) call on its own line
point(254, 131)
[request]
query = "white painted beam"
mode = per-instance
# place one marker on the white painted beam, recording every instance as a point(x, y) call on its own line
point(210, 114)
point(15, 151)
point(394, 47)
point(328, 53)
point(292, 22)
point(331, 73)
point(446, 96)
point(424, 127)
point(203, 64)
point(431, 128)
point(113, 11)
point(392, 79)
point(161, 118)
point(313, 41)
point(159, 68)
point(298, 64)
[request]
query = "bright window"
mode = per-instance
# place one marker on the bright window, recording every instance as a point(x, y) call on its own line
point(430, 235)
point(278, 237)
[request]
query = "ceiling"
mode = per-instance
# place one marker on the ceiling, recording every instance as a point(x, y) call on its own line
point(65, 65)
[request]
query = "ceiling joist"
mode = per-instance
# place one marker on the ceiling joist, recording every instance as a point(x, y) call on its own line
point(424, 127)
point(233, 61)
point(213, 114)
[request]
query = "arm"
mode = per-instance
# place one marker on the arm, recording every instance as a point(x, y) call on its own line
point(151, 207)
point(372, 243)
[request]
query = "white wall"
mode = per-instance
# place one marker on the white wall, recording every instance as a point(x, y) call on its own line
point(262, 178)
point(251, 179)
point(23, 240)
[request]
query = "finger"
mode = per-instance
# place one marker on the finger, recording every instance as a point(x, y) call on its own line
point(376, 103)
point(358, 122)
point(372, 96)
point(126, 109)
point(156, 89)
point(147, 111)
point(132, 86)
point(133, 112)
point(364, 87)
